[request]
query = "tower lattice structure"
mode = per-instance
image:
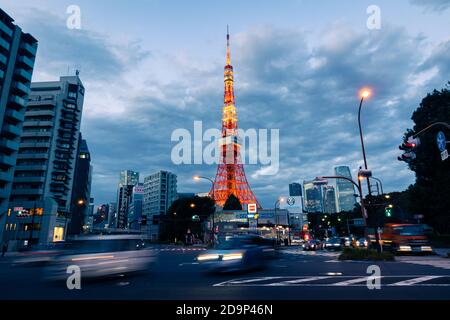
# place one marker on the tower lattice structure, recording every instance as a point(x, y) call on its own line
point(230, 178)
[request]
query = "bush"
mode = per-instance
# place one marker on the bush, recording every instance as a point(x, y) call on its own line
point(365, 254)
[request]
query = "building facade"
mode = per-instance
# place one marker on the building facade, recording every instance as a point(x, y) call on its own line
point(329, 200)
point(49, 146)
point(128, 179)
point(17, 56)
point(313, 201)
point(160, 191)
point(81, 189)
point(135, 208)
point(295, 190)
point(345, 190)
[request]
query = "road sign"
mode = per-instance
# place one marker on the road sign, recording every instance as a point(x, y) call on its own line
point(419, 216)
point(252, 208)
point(358, 222)
point(444, 155)
point(441, 141)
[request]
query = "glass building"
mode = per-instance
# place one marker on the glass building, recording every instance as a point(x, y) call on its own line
point(313, 196)
point(345, 191)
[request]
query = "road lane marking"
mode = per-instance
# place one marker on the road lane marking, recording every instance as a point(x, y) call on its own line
point(414, 281)
point(350, 281)
point(296, 281)
point(353, 281)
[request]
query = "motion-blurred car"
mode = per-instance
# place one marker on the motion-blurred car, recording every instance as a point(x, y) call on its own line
point(361, 243)
point(312, 245)
point(102, 256)
point(347, 241)
point(238, 253)
point(333, 244)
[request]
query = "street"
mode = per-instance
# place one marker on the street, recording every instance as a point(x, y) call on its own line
point(296, 275)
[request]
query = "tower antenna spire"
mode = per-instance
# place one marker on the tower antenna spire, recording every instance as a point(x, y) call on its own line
point(228, 46)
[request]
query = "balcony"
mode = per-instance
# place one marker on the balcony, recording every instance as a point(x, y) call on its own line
point(14, 115)
point(20, 86)
point(7, 160)
point(36, 134)
point(23, 75)
point(6, 176)
point(3, 59)
point(38, 124)
point(12, 130)
point(17, 101)
point(29, 179)
point(35, 145)
point(6, 29)
point(28, 48)
point(9, 144)
point(40, 112)
point(24, 167)
point(33, 156)
point(26, 61)
point(26, 192)
point(4, 44)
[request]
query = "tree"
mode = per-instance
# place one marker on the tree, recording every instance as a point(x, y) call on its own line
point(430, 194)
point(232, 203)
point(179, 217)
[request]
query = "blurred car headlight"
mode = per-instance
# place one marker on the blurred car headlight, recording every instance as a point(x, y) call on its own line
point(405, 248)
point(232, 256)
point(207, 257)
point(426, 248)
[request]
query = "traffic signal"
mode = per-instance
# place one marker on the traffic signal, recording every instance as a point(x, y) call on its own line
point(388, 212)
point(408, 147)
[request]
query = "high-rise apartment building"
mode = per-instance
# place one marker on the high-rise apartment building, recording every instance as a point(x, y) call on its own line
point(295, 190)
point(313, 201)
point(128, 179)
point(81, 189)
point(17, 56)
point(135, 208)
point(49, 146)
point(329, 200)
point(160, 191)
point(345, 191)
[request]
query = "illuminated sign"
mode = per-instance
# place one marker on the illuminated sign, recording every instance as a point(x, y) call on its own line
point(252, 208)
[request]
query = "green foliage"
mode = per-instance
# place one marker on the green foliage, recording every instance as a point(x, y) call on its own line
point(232, 203)
point(365, 254)
point(430, 194)
point(179, 217)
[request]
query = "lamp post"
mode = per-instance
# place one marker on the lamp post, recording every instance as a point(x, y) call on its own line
point(277, 203)
point(365, 93)
point(381, 184)
point(198, 178)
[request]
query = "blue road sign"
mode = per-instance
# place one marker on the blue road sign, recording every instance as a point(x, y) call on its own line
point(441, 141)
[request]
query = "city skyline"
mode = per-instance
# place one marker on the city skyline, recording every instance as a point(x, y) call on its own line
point(269, 54)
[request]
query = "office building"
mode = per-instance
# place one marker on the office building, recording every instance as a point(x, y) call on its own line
point(313, 197)
point(128, 179)
point(81, 189)
point(17, 56)
point(112, 215)
point(135, 208)
point(49, 146)
point(329, 200)
point(295, 190)
point(345, 191)
point(160, 191)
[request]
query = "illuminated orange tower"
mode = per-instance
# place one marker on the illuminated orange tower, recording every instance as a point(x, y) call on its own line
point(230, 178)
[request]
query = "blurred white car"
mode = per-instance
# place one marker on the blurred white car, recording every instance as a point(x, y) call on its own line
point(102, 256)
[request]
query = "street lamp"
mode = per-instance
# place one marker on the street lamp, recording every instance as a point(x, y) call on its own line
point(198, 178)
point(277, 203)
point(364, 93)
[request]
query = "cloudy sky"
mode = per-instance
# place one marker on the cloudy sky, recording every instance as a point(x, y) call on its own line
point(150, 67)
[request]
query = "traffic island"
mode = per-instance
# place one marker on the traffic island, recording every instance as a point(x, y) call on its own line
point(365, 255)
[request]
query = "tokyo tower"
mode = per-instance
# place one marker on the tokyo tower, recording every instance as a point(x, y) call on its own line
point(230, 178)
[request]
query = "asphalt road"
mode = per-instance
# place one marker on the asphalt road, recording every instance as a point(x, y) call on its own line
point(295, 276)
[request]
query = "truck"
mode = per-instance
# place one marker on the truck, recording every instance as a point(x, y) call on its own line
point(403, 238)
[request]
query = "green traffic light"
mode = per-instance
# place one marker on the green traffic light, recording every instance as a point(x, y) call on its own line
point(388, 212)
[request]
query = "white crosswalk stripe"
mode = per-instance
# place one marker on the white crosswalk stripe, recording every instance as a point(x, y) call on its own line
point(310, 253)
point(437, 262)
point(339, 281)
point(413, 281)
